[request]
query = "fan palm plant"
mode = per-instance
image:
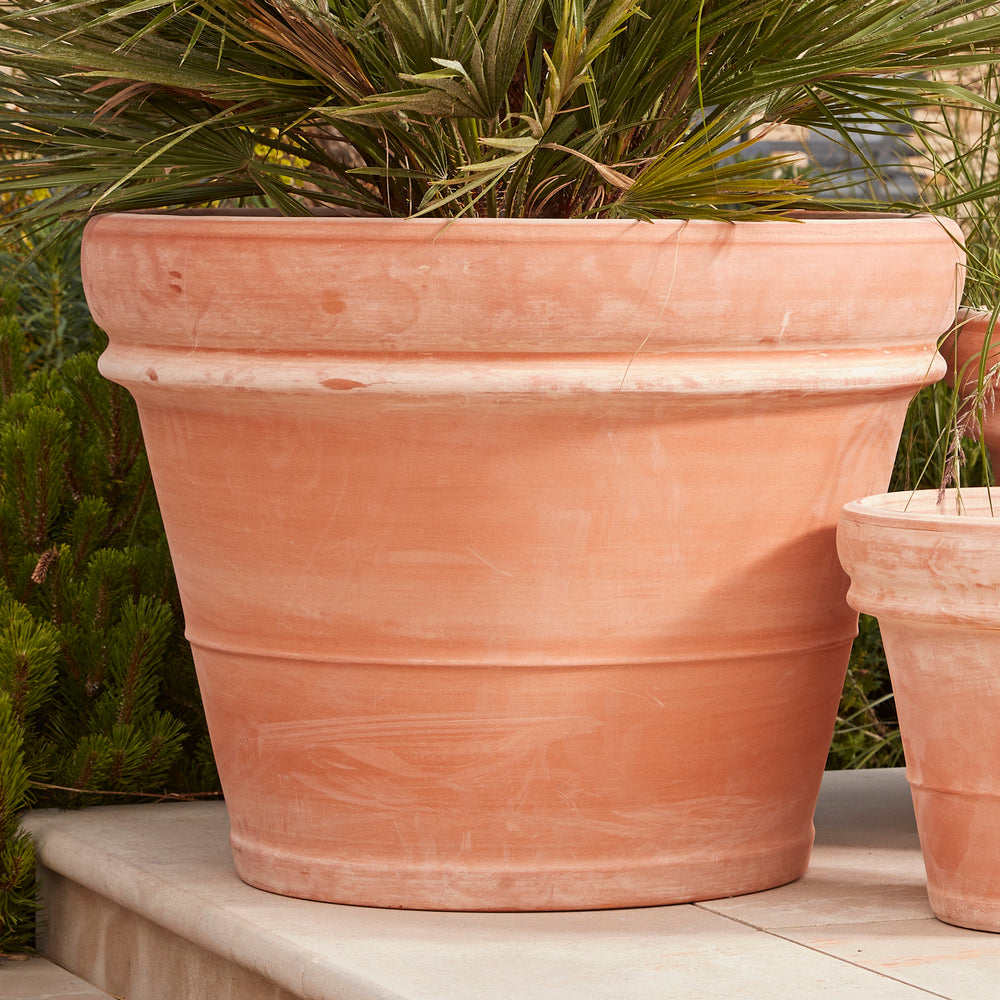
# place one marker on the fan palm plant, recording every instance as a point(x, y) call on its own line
point(532, 108)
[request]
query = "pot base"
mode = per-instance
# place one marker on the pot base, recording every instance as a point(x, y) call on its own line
point(973, 914)
point(658, 881)
point(423, 786)
point(959, 843)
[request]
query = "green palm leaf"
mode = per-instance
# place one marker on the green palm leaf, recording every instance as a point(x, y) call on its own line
point(622, 108)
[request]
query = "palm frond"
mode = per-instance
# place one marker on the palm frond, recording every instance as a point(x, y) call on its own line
point(635, 108)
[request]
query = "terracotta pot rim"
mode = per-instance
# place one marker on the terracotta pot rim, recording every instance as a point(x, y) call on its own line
point(531, 287)
point(885, 233)
point(345, 215)
point(975, 314)
point(921, 510)
point(799, 226)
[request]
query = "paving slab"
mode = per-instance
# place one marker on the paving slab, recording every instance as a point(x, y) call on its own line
point(866, 864)
point(945, 961)
point(144, 902)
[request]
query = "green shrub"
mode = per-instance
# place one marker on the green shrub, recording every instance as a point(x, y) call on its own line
point(866, 732)
point(17, 852)
point(98, 697)
point(47, 301)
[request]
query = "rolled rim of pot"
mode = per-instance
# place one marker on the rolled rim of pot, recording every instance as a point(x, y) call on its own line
point(638, 288)
point(926, 508)
point(926, 556)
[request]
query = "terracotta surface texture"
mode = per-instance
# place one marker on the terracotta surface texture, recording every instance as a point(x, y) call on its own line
point(929, 572)
point(507, 547)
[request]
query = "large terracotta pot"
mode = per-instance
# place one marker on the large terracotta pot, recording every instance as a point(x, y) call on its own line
point(507, 547)
point(932, 578)
point(963, 352)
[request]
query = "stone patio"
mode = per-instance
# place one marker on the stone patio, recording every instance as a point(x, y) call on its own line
point(143, 902)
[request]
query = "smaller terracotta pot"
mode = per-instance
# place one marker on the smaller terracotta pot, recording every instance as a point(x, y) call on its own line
point(930, 573)
point(963, 351)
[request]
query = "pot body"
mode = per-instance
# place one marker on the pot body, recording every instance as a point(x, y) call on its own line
point(964, 353)
point(506, 548)
point(932, 577)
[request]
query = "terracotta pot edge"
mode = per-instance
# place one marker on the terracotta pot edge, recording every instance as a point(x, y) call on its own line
point(875, 510)
point(822, 226)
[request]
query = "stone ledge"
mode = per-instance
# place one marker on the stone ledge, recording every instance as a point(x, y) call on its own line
point(144, 902)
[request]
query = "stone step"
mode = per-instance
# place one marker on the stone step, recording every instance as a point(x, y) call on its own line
point(144, 902)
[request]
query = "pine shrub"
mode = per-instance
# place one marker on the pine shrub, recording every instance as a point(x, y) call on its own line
point(17, 852)
point(48, 303)
point(98, 697)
